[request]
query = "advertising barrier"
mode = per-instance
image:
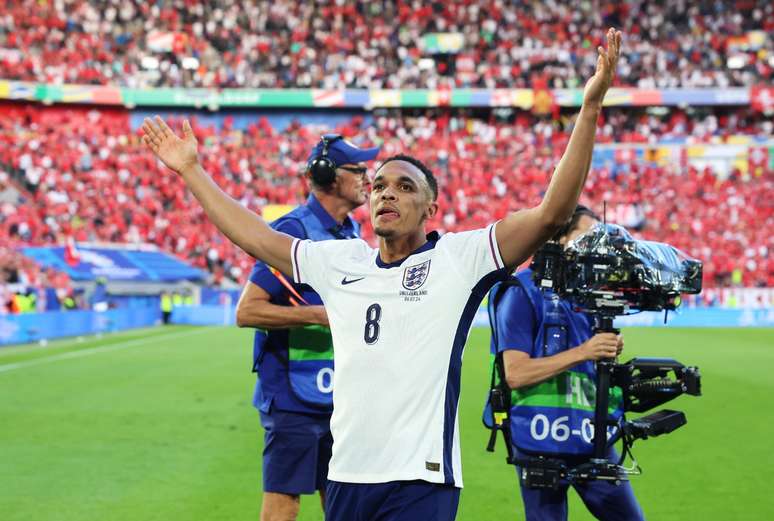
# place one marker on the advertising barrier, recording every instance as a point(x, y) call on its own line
point(34, 327)
point(760, 97)
point(205, 315)
point(689, 317)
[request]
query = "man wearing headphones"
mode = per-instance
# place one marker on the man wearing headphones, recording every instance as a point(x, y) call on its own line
point(293, 350)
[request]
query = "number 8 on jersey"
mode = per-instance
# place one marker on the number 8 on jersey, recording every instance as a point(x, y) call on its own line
point(373, 315)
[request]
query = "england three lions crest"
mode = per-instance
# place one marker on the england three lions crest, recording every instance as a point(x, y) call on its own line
point(415, 276)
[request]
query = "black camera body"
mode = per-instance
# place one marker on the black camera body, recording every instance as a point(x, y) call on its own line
point(607, 273)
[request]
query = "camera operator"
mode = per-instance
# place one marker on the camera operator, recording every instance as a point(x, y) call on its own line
point(548, 350)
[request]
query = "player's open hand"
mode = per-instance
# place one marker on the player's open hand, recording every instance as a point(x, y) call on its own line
point(607, 61)
point(178, 154)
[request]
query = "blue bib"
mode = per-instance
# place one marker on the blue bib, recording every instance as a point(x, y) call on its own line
point(555, 416)
point(295, 365)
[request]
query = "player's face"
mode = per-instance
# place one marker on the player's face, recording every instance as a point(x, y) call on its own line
point(352, 183)
point(585, 223)
point(401, 200)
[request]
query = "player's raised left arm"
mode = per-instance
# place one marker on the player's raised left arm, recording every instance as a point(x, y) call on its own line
point(521, 233)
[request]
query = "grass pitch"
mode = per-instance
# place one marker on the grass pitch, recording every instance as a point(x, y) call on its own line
point(157, 425)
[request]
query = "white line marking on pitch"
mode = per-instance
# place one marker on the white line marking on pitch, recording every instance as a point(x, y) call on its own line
point(95, 350)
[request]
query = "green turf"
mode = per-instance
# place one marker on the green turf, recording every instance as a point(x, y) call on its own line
point(157, 425)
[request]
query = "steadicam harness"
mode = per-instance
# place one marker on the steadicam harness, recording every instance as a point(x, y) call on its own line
point(499, 391)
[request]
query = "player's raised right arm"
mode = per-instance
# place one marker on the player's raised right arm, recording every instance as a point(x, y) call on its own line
point(521, 233)
point(243, 227)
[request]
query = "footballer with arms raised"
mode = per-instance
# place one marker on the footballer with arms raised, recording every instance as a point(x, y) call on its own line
point(399, 314)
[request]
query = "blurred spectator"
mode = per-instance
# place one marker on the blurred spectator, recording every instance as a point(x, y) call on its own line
point(334, 44)
point(26, 288)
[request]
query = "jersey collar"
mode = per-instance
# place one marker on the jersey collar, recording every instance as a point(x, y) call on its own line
point(345, 229)
point(431, 237)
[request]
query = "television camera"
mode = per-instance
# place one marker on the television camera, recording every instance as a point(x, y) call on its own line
point(607, 273)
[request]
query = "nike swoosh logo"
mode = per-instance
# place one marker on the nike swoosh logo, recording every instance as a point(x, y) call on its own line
point(344, 281)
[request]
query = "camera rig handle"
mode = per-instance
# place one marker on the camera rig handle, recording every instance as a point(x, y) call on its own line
point(602, 324)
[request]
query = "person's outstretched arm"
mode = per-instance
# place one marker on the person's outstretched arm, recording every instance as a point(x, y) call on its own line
point(243, 227)
point(522, 370)
point(521, 233)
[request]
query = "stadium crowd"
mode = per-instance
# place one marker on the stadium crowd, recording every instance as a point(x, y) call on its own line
point(361, 44)
point(88, 177)
point(26, 288)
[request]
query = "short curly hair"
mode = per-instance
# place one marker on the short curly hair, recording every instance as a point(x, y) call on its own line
point(431, 181)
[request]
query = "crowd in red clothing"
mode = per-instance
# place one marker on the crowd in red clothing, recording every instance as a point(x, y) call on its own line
point(86, 175)
point(332, 44)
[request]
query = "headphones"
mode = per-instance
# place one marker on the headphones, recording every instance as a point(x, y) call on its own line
point(322, 168)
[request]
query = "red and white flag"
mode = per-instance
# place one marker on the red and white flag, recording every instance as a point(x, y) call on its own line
point(762, 98)
point(327, 98)
point(71, 254)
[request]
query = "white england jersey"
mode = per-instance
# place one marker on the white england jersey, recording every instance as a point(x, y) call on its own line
point(398, 334)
